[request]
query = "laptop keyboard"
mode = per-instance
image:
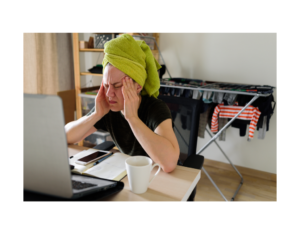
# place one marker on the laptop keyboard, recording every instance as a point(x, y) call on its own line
point(80, 185)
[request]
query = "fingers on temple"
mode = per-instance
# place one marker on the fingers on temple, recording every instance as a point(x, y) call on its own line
point(124, 89)
point(131, 89)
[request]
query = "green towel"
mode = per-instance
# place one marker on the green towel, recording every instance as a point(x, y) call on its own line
point(135, 59)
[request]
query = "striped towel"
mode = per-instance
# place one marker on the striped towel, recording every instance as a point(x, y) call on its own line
point(250, 113)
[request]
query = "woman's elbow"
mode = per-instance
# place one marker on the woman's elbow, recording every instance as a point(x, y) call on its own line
point(70, 139)
point(169, 167)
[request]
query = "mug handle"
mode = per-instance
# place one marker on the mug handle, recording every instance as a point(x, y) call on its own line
point(155, 173)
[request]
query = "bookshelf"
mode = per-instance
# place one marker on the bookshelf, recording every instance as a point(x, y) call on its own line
point(78, 74)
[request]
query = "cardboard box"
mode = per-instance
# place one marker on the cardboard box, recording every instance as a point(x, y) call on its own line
point(83, 44)
point(69, 104)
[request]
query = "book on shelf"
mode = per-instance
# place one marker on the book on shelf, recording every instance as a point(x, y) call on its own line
point(94, 92)
point(112, 167)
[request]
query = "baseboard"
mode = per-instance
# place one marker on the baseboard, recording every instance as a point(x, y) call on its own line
point(242, 170)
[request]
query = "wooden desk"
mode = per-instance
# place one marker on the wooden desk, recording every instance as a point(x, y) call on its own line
point(174, 186)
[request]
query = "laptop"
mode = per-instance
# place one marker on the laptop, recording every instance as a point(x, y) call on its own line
point(46, 161)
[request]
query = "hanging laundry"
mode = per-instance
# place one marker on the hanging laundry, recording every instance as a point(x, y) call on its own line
point(210, 99)
point(222, 123)
point(211, 112)
point(262, 131)
point(218, 97)
point(250, 113)
point(196, 94)
point(242, 125)
point(172, 92)
point(207, 96)
point(188, 93)
point(177, 92)
point(230, 98)
point(203, 121)
point(264, 104)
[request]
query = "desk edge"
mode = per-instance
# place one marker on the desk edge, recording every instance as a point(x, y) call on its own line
point(193, 185)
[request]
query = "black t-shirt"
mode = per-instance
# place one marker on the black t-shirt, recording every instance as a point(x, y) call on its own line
point(151, 112)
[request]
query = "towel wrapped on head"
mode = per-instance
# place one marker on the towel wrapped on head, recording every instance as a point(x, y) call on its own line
point(135, 59)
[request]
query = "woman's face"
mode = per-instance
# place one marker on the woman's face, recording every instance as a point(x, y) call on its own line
point(113, 83)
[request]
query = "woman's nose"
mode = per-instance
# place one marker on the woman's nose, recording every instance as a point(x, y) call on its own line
point(110, 92)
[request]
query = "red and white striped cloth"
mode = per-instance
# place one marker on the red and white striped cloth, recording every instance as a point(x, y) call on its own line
point(250, 113)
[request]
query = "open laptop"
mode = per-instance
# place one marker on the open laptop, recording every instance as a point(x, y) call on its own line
point(46, 161)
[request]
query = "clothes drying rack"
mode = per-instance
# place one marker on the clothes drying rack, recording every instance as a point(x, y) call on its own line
point(210, 87)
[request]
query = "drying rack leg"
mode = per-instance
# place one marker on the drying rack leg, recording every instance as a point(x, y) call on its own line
point(211, 180)
point(242, 179)
point(213, 140)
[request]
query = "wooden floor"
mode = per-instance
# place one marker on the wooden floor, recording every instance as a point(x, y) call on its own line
point(253, 188)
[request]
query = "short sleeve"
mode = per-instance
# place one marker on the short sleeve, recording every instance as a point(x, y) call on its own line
point(158, 113)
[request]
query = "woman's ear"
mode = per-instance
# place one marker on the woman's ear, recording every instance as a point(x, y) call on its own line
point(139, 88)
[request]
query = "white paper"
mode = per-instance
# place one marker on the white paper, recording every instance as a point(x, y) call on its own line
point(110, 168)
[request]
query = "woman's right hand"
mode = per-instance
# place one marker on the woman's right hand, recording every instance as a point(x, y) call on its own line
point(101, 104)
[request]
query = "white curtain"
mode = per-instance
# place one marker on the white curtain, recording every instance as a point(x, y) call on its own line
point(48, 63)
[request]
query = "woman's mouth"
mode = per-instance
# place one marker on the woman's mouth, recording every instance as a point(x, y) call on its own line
point(112, 102)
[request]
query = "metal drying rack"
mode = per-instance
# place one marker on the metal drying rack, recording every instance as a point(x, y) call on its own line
point(208, 87)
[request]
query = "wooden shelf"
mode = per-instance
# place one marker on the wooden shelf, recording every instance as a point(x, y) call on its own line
point(90, 74)
point(91, 50)
point(86, 89)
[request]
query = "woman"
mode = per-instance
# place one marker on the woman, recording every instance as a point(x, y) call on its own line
point(126, 105)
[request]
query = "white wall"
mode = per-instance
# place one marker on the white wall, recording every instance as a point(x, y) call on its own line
point(229, 57)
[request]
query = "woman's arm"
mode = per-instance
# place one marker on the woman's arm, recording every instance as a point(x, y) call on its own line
point(161, 145)
point(81, 128)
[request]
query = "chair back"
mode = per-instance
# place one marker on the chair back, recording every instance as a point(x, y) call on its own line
point(185, 115)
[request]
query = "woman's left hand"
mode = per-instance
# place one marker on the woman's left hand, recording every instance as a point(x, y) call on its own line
point(131, 99)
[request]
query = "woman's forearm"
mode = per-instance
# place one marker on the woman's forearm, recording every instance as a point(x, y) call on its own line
point(159, 148)
point(77, 130)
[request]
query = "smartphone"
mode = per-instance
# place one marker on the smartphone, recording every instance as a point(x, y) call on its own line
point(93, 157)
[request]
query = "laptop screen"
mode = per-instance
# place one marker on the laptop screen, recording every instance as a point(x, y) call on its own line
point(46, 163)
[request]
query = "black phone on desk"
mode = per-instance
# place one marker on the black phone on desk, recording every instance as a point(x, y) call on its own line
point(93, 157)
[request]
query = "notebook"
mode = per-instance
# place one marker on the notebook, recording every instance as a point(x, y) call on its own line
point(111, 167)
point(46, 161)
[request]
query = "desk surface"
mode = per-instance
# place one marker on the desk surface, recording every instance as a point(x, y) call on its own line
point(174, 186)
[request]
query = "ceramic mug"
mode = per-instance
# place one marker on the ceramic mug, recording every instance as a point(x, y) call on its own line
point(138, 172)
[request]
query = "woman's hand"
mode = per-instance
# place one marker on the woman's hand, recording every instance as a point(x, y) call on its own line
point(131, 99)
point(101, 104)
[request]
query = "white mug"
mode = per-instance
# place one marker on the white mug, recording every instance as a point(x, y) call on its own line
point(138, 172)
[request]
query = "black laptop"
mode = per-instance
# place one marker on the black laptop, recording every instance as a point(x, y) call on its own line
point(47, 173)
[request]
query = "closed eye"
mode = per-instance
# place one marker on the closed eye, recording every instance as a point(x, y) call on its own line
point(115, 86)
